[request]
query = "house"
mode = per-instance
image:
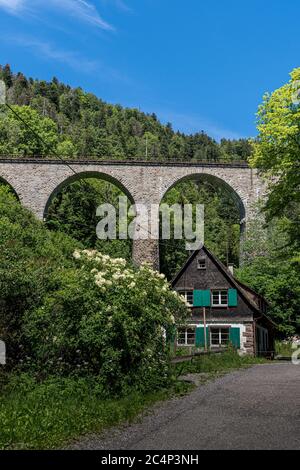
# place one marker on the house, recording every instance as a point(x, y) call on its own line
point(223, 310)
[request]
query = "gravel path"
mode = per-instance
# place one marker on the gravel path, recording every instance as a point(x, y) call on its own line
point(257, 408)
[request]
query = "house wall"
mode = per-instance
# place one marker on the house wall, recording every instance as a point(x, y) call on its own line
point(246, 334)
point(262, 340)
point(212, 277)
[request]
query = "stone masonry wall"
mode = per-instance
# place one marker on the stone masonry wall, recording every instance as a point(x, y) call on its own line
point(249, 339)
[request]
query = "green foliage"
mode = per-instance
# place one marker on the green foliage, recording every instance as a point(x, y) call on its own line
point(270, 270)
point(284, 348)
point(29, 257)
point(73, 211)
point(235, 150)
point(16, 139)
point(222, 229)
point(80, 124)
point(277, 154)
point(272, 258)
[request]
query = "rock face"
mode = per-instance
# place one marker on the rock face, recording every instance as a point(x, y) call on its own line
point(36, 182)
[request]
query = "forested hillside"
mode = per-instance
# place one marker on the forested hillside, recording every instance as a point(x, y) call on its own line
point(79, 124)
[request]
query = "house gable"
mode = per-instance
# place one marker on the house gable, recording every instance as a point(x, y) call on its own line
point(215, 276)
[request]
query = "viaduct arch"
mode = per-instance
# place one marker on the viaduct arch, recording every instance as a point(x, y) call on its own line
point(5, 182)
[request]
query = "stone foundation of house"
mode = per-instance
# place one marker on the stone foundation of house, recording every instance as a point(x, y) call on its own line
point(248, 343)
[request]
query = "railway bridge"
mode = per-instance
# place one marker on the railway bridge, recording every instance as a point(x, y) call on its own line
point(36, 181)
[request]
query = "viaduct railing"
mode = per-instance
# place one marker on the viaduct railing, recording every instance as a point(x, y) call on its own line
point(124, 161)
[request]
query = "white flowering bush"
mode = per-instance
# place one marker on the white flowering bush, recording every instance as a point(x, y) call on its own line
point(106, 318)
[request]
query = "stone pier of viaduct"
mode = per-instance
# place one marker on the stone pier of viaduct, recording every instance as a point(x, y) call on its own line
point(37, 181)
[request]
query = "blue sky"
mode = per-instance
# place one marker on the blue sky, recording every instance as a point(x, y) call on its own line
point(200, 65)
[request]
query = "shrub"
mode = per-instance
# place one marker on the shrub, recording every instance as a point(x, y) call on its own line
point(105, 318)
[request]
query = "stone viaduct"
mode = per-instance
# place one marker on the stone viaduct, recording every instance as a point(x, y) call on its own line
point(37, 181)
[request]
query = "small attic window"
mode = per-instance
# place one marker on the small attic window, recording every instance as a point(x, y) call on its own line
point(201, 264)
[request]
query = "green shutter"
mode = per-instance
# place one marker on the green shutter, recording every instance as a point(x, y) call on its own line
point(232, 298)
point(200, 340)
point(198, 298)
point(235, 337)
point(200, 337)
point(206, 298)
point(202, 298)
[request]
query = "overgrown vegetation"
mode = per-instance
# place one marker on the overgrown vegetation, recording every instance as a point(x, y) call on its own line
point(270, 268)
point(107, 319)
point(284, 348)
point(73, 211)
point(30, 257)
point(277, 156)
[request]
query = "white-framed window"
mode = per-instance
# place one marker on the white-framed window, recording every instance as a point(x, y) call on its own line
point(186, 336)
point(219, 337)
point(219, 298)
point(201, 264)
point(189, 296)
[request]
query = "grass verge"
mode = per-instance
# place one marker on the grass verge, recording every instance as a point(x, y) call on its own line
point(217, 363)
point(48, 415)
